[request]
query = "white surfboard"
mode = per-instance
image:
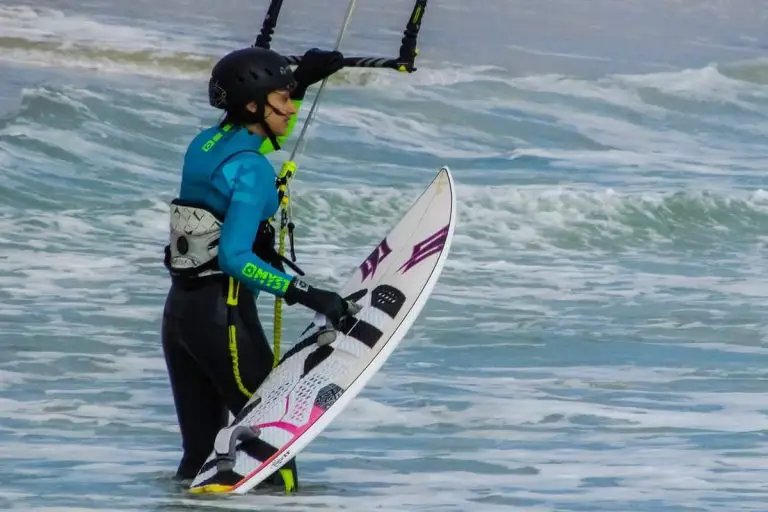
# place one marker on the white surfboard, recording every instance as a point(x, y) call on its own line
point(314, 381)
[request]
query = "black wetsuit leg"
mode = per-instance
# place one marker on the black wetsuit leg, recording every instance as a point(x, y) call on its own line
point(210, 371)
point(200, 409)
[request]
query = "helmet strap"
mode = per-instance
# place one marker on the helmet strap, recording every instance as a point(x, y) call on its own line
point(270, 134)
point(259, 117)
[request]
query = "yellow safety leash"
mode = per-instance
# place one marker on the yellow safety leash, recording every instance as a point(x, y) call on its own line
point(287, 172)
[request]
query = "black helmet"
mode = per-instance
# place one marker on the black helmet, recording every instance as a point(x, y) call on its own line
point(247, 75)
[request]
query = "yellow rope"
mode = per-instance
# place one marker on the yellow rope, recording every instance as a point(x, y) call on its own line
point(286, 174)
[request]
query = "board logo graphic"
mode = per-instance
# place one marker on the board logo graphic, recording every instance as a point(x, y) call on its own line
point(426, 248)
point(371, 263)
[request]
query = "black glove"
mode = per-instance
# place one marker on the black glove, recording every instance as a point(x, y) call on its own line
point(327, 303)
point(315, 65)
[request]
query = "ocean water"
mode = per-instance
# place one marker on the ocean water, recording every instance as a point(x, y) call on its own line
point(597, 341)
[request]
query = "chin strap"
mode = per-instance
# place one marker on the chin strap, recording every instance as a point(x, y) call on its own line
point(270, 135)
point(260, 118)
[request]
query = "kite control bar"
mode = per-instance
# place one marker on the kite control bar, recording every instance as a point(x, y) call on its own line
point(368, 62)
point(404, 62)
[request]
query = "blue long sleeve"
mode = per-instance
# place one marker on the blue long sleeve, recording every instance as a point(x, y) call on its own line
point(224, 170)
point(253, 194)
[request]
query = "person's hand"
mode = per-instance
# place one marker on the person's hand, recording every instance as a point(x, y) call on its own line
point(327, 303)
point(315, 65)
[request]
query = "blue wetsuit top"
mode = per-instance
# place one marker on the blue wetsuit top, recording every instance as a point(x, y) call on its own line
point(226, 171)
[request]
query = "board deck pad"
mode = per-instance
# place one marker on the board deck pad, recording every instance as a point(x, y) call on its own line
point(313, 381)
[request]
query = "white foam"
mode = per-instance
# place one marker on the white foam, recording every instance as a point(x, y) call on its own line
point(375, 127)
point(70, 30)
point(703, 84)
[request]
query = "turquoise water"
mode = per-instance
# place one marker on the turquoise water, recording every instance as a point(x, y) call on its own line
point(597, 341)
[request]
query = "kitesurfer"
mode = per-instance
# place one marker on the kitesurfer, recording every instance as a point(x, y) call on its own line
point(221, 252)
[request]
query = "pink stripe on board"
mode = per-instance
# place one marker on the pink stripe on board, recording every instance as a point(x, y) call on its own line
point(288, 427)
point(314, 415)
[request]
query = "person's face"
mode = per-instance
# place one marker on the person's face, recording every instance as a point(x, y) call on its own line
point(278, 111)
